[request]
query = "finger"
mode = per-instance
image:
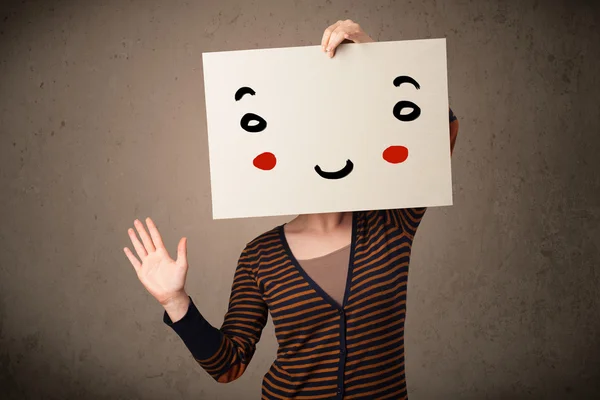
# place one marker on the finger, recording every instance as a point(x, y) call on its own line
point(327, 34)
point(336, 38)
point(182, 251)
point(133, 259)
point(156, 238)
point(139, 248)
point(144, 235)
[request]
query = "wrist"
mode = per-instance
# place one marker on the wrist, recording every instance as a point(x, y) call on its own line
point(177, 306)
point(175, 299)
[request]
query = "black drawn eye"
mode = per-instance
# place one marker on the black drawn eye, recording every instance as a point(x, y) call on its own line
point(401, 105)
point(250, 122)
point(253, 123)
point(411, 116)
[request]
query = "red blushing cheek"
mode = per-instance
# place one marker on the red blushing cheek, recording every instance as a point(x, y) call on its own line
point(265, 161)
point(395, 154)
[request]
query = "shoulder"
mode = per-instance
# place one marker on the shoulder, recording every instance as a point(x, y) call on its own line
point(371, 219)
point(259, 250)
point(405, 220)
point(264, 243)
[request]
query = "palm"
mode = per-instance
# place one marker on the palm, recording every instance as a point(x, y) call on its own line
point(162, 276)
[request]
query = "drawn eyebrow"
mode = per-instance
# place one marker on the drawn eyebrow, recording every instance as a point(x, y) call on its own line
point(242, 91)
point(406, 79)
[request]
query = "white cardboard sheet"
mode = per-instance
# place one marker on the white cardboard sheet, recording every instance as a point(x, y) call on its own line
point(334, 114)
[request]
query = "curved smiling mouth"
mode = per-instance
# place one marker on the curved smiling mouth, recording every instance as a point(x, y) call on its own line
point(342, 173)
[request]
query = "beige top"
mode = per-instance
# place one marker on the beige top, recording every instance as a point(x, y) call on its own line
point(329, 272)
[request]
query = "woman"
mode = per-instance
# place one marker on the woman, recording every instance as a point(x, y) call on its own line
point(335, 285)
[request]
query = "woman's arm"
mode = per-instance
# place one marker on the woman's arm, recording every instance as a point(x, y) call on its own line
point(225, 353)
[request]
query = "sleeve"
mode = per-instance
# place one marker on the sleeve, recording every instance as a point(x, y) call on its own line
point(409, 219)
point(453, 131)
point(226, 352)
point(452, 116)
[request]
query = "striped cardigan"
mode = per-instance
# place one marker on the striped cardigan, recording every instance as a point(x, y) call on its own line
point(325, 351)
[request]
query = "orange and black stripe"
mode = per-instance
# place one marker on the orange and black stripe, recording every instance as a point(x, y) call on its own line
point(355, 351)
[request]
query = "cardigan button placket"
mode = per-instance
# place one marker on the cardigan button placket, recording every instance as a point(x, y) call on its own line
point(340, 388)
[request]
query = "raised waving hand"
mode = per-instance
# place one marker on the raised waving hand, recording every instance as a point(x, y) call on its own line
point(162, 276)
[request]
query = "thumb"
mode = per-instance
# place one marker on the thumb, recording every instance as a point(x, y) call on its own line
point(182, 251)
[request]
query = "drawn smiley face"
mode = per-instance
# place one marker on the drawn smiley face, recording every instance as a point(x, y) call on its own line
point(292, 132)
point(253, 123)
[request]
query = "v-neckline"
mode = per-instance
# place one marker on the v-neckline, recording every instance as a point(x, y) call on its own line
point(314, 285)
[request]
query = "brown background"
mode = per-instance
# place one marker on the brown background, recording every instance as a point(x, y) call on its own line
point(102, 121)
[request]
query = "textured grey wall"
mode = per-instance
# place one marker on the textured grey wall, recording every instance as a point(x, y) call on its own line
point(102, 121)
